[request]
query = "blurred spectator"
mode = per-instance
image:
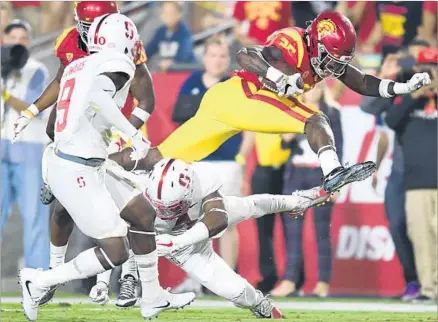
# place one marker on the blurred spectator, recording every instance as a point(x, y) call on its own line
point(173, 40)
point(56, 15)
point(414, 119)
point(303, 172)
point(267, 178)
point(363, 16)
point(21, 162)
point(395, 190)
point(257, 20)
point(305, 11)
point(6, 16)
point(395, 199)
point(396, 27)
point(29, 11)
point(216, 62)
point(207, 14)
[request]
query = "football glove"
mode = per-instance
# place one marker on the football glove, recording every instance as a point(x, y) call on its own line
point(166, 244)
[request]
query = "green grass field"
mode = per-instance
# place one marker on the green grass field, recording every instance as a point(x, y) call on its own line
point(87, 312)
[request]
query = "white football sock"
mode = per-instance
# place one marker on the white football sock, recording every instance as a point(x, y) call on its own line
point(85, 265)
point(104, 277)
point(328, 160)
point(130, 266)
point(148, 272)
point(57, 255)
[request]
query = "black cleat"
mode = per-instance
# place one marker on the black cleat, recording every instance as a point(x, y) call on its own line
point(342, 176)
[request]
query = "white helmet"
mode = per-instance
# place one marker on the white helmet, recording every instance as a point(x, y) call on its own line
point(170, 188)
point(114, 32)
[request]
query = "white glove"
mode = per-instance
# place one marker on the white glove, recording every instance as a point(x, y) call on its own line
point(20, 124)
point(99, 293)
point(415, 83)
point(140, 146)
point(166, 244)
point(292, 88)
point(115, 145)
point(286, 84)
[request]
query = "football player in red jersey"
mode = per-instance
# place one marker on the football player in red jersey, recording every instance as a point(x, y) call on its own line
point(70, 46)
point(263, 96)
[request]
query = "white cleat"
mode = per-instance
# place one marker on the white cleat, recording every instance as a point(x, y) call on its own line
point(31, 292)
point(314, 197)
point(168, 301)
point(99, 293)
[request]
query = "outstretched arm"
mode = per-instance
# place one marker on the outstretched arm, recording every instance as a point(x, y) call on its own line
point(268, 63)
point(143, 90)
point(214, 222)
point(369, 85)
point(50, 94)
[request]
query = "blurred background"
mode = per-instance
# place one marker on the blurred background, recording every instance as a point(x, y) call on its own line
point(379, 236)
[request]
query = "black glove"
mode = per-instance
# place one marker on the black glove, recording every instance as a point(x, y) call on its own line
point(46, 196)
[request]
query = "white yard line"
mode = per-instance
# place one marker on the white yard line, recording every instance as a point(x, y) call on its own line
point(314, 306)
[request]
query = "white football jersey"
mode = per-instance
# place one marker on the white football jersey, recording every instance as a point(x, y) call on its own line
point(122, 191)
point(79, 129)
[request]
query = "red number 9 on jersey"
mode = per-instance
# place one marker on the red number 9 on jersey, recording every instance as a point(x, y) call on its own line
point(64, 104)
point(129, 30)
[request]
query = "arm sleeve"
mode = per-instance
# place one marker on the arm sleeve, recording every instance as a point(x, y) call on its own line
point(102, 101)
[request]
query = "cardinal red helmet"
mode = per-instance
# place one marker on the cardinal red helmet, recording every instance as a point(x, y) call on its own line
point(87, 11)
point(332, 41)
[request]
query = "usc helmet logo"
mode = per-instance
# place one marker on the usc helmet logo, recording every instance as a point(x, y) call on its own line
point(325, 27)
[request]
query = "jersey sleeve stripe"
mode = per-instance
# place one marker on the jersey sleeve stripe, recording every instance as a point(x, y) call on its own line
point(61, 38)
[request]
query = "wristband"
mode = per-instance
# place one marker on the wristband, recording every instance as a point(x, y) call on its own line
point(196, 234)
point(6, 95)
point(141, 114)
point(240, 159)
point(33, 109)
point(401, 88)
point(273, 74)
point(384, 88)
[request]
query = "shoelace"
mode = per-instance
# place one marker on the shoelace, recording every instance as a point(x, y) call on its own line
point(127, 287)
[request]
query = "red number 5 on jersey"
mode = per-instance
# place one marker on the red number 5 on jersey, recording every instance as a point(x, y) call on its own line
point(64, 105)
